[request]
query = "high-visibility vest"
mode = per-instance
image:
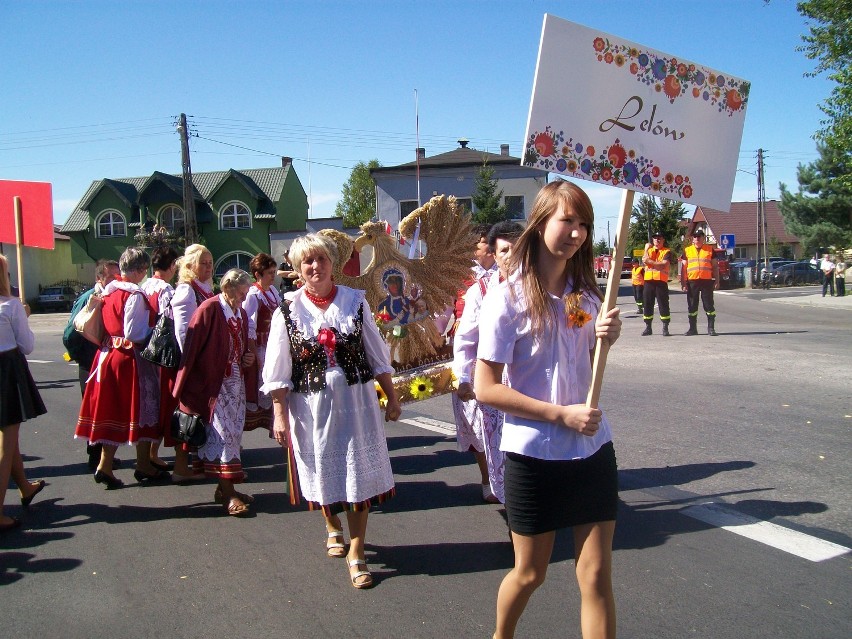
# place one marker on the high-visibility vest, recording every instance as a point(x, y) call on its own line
point(657, 255)
point(699, 263)
point(637, 275)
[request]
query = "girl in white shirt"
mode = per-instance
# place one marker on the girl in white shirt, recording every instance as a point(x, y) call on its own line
point(560, 464)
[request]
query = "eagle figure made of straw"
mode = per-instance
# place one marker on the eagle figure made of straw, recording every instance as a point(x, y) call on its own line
point(405, 293)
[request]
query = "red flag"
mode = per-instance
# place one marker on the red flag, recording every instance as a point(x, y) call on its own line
point(36, 213)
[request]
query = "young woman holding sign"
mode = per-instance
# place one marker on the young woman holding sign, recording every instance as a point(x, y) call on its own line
point(560, 462)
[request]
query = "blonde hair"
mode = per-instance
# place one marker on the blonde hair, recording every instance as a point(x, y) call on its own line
point(234, 278)
point(525, 252)
point(188, 263)
point(310, 244)
point(5, 286)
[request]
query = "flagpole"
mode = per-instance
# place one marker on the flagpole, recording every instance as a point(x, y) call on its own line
point(415, 243)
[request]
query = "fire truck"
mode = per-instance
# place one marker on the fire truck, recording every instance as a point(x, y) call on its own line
point(602, 266)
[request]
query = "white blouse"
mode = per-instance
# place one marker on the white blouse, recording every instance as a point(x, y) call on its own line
point(137, 315)
point(341, 314)
point(184, 306)
point(555, 369)
point(254, 299)
point(164, 289)
point(15, 331)
point(467, 332)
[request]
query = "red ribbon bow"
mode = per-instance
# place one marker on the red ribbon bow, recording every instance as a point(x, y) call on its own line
point(328, 340)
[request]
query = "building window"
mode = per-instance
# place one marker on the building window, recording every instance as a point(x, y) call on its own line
point(740, 253)
point(466, 202)
point(173, 219)
point(406, 207)
point(111, 224)
point(514, 206)
point(235, 216)
point(232, 260)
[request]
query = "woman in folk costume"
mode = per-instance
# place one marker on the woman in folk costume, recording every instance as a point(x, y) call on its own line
point(261, 302)
point(121, 404)
point(195, 284)
point(21, 400)
point(478, 426)
point(323, 354)
point(210, 384)
point(160, 291)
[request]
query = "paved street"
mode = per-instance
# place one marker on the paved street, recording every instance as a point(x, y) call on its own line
point(735, 518)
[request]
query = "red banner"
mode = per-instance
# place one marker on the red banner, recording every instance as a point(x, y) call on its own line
point(36, 213)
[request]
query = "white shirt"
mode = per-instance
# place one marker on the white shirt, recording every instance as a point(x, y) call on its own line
point(15, 331)
point(184, 306)
point(341, 314)
point(254, 299)
point(136, 311)
point(556, 369)
point(467, 332)
point(164, 289)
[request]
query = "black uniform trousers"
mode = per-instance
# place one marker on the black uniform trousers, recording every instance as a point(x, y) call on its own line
point(704, 288)
point(659, 291)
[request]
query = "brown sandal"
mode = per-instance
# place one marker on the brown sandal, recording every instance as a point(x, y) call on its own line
point(236, 508)
point(220, 499)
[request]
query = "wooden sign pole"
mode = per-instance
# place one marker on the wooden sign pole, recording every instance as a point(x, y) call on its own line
point(19, 240)
point(612, 284)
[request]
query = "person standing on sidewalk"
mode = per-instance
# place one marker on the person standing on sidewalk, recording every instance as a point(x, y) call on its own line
point(699, 275)
point(840, 276)
point(657, 260)
point(827, 268)
point(637, 278)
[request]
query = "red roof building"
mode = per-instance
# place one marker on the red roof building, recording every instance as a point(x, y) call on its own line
point(742, 222)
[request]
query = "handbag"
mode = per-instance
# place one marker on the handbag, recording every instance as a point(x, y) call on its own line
point(189, 429)
point(162, 348)
point(89, 320)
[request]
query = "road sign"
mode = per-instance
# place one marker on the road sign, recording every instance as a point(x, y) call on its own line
point(727, 241)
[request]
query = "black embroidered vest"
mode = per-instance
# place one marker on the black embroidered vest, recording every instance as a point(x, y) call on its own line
point(310, 361)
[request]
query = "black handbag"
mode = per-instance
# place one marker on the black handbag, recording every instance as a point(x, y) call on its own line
point(189, 429)
point(162, 348)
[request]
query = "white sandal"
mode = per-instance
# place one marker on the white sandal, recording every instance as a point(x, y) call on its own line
point(338, 547)
point(367, 583)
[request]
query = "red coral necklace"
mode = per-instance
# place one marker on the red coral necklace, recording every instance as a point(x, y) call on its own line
point(322, 301)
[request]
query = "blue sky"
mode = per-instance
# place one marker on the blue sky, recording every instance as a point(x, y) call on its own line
point(91, 88)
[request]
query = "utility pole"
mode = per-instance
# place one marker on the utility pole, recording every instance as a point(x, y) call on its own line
point(188, 197)
point(608, 243)
point(761, 211)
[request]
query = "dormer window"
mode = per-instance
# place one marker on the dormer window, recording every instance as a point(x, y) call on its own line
point(235, 215)
point(173, 219)
point(111, 224)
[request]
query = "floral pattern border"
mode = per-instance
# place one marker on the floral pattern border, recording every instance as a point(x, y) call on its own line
point(674, 78)
point(614, 165)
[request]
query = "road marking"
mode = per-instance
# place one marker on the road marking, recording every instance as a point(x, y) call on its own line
point(791, 541)
point(431, 424)
point(40, 361)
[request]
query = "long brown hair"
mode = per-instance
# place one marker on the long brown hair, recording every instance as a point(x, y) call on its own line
point(5, 286)
point(526, 250)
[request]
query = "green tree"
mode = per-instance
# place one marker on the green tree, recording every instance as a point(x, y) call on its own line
point(665, 216)
point(830, 42)
point(487, 198)
point(600, 247)
point(358, 202)
point(820, 213)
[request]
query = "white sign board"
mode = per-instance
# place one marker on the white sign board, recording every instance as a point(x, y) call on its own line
point(616, 112)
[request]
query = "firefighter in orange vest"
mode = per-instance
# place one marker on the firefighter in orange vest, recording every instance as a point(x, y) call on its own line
point(699, 275)
point(637, 278)
point(657, 260)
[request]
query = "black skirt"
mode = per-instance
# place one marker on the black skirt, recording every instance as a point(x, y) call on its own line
point(545, 495)
point(19, 397)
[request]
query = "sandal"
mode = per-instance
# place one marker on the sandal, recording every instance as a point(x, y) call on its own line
point(219, 499)
point(39, 486)
point(333, 548)
point(360, 574)
point(236, 508)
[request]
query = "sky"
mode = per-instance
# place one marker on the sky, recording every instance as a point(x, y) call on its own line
point(92, 89)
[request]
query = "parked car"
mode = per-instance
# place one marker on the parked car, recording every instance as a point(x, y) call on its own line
point(57, 298)
point(796, 273)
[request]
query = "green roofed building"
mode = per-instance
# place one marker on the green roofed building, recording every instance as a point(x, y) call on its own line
point(235, 212)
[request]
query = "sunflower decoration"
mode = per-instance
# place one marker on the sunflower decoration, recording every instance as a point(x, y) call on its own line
point(577, 317)
point(383, 399)
point(66, 357)
point(421, 387)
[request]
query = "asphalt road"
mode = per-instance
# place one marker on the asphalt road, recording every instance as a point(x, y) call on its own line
point(734, 468)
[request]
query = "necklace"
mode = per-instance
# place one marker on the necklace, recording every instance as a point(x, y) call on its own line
point(322, 301)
